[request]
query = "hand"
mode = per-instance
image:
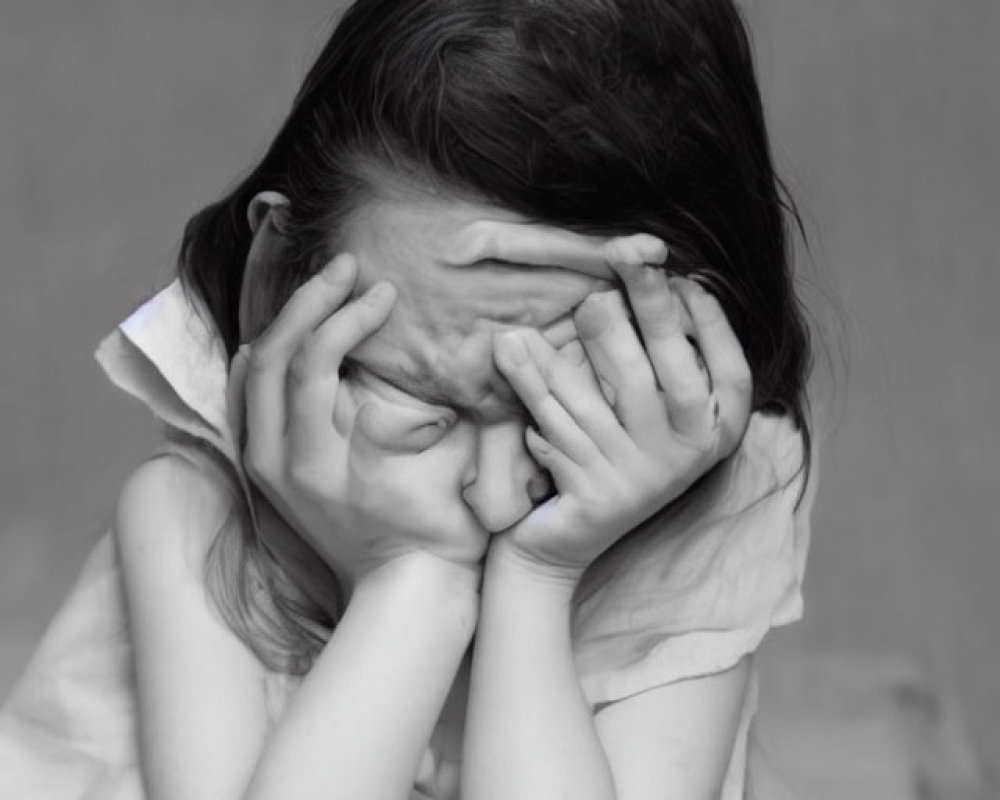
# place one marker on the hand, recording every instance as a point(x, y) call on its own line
point(625, 431)
point(314, 445)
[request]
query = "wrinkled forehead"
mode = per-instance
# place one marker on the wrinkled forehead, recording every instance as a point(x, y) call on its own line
point(464, 272)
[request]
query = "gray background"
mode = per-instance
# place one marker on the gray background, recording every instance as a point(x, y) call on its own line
point(120, 118)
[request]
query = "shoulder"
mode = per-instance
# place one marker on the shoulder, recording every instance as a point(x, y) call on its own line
point(169, 502)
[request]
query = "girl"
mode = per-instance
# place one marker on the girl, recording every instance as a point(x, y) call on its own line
point(428, 383)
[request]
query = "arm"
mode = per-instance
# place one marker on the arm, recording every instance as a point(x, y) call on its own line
point(527, 708)
point(202, 715)
point(364, 715)
point(675, 740)
point(360, 720)
point(531, 733)
point(200, 693)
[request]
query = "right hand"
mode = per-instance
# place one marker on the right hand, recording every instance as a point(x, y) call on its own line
point(316, 446)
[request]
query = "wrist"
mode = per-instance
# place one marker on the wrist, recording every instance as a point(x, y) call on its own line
point(509, 563)
point(423, 583)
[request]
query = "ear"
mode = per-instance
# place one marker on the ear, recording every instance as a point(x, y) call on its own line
point(264, 204)
point(266, 214)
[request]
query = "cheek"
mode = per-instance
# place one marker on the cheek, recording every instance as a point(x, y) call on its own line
point(427, 486)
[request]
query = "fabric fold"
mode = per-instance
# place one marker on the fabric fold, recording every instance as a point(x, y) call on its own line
point(167, 355)
point(688, 594)
point(698, 586)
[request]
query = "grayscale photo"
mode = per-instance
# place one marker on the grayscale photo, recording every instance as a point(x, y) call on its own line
point(500, 400)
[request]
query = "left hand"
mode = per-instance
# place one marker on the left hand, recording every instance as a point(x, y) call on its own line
point(622, 430)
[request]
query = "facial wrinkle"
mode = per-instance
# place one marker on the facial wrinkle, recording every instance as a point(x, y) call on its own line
point(438, 341)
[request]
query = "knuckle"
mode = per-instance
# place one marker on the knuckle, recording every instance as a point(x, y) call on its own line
point(658, 319)
point(737, 384)
point(634, 375)
point(259, 358)
point(688, 393)
point(302, 364)
point(590, 452)
point(298, 369)
point(573, 354)
point(553, 371)
point(621, 252)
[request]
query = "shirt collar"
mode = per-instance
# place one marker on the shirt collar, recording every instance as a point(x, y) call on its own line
point(169, 356)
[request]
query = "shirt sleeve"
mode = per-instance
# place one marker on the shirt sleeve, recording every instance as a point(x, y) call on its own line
point(698, 586)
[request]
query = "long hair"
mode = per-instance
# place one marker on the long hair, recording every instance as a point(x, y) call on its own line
point(601, 116)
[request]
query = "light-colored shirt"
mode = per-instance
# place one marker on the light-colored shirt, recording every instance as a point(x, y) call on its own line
point(686, 595)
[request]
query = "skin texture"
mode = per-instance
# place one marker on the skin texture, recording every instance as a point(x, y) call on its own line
point(433, 358)
point(438, 341)
point(440, 529)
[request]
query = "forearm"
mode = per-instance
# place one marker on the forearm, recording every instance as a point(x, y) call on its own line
point(530, 732)
point(361, 719)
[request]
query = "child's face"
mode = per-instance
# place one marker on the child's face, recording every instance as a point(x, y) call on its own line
point(435, 353)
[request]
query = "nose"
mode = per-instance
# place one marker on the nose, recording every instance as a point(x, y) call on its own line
point(503, 483)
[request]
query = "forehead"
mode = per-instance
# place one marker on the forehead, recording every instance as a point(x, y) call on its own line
point(437, 343)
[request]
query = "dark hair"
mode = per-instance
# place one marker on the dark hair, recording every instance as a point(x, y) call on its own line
point(602, 116)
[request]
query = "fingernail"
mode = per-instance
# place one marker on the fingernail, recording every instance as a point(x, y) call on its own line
point(338, 269)
point(592, 316)
point(541, 446)
point(513, 348)
point(380, 293)
point(658, 251)
point(634, 250)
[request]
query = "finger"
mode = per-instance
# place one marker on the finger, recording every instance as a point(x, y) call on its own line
point(732, 380)
point(560, 332)
point(623, 252)
point(571, 379)
point(567, 476)
point(545, 246)
point(515, 363)
point(665, 326)
point(531, 244)
point(314, 371)
point(308, 306)
point(268, 357)
point(621, 364)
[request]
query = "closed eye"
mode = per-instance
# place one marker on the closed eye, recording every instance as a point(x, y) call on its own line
point(424, 436)
point(397, 421)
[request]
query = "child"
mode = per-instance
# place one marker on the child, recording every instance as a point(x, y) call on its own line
point(454, 433)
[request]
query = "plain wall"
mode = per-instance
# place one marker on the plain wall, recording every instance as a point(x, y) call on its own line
point(120, 118)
